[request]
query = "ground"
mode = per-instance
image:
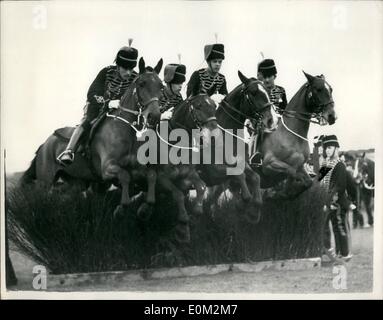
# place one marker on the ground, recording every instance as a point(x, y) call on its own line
point(359, 277)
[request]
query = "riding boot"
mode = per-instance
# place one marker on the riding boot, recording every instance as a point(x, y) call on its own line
point(256, 156)
point(67, 156)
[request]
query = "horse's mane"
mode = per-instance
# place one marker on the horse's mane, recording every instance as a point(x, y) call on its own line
point(298, 95)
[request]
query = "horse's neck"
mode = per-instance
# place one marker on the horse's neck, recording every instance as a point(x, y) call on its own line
point(297, 105)
point(234, 120)
point(180, 115)
point(128, 102)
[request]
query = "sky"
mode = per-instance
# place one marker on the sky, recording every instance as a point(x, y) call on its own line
point(52, 51)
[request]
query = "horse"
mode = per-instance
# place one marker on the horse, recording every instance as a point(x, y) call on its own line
point(196, 112)
point(111, 143)
point(249, 100)
point(286, 150)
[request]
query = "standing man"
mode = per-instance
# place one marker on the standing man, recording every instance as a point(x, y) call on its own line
point(174, 77)
point(110, 84)
point(335, 182)
point(209, 80)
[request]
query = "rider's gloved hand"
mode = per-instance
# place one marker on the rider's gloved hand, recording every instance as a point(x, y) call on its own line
point(114, 104)
point(217, 98)
point(352, 206)
point(167, 114)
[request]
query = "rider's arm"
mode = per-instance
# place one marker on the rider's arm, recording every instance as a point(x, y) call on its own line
point(193, 84)
point(97, 87)
point(282, 104)
point(223, 89)
point(284, 100)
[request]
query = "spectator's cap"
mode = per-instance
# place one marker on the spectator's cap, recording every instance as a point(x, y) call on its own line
point(330, 140)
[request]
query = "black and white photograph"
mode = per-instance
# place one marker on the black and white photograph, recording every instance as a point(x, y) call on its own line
point(191, 150)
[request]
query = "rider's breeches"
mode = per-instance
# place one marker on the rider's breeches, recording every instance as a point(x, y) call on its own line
point(341, 230)
point(91, 112)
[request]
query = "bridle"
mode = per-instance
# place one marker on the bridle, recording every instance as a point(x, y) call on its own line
point(198, 122)
point(142, 106)
point(313, 117)
point(310, 117)
point(257, 116)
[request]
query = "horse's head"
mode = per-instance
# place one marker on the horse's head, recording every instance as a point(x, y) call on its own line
point(198, 112)
point(256, 104)
point(320, 99)
point(148, 89)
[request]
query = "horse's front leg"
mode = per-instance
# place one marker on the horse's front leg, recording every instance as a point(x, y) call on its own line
point(151, 179)
point(241, 178)
point(199, 185)
point(182, 228)
point(272, 165)
point(253, 179)
point(112, 170)
point(145, 210)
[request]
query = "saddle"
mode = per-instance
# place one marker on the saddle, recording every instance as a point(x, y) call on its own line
point(83, 148)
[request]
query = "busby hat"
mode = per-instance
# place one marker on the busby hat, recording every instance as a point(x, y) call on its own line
point(175, 73)
point(127, 57)
point(214, 51)
point(330, 140)
point(267, 67)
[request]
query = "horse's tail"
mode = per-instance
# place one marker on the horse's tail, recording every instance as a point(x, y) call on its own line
point(30, 174)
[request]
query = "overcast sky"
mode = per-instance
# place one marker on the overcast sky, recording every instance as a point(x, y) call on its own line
point(48, 64)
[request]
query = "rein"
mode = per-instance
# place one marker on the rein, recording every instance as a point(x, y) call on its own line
point(199, 123)
point(138, 113)
point(305, 116)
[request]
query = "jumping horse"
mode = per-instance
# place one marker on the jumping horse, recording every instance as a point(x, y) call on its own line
point(249, 100)
point(111, 143)
point(286, 150)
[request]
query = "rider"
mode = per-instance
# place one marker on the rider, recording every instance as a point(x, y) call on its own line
point(267, 73)
point(335, 182)
point(110, 84)
point(174, 77)
point(209, 80)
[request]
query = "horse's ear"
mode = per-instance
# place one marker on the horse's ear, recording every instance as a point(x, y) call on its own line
point(158, 67)
point(243, 79)
point(141, 65)
point(309, 77)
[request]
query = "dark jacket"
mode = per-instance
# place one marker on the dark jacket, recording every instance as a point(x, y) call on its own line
point(340, 183)
point(202, 81)
point(108, 85)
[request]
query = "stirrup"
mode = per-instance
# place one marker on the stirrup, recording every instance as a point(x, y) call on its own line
point(254, 161)
point(67, 161)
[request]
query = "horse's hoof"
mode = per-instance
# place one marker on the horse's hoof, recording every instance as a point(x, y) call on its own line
point(182, 233)
point(145, 211)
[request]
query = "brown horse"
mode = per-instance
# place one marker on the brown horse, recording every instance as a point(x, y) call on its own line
point(286, 150)
point(114, 139)
point(249, 100)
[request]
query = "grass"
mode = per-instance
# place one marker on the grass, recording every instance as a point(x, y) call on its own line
point(68, 233)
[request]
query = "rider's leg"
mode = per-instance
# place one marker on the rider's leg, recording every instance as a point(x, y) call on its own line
point(67, 156)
